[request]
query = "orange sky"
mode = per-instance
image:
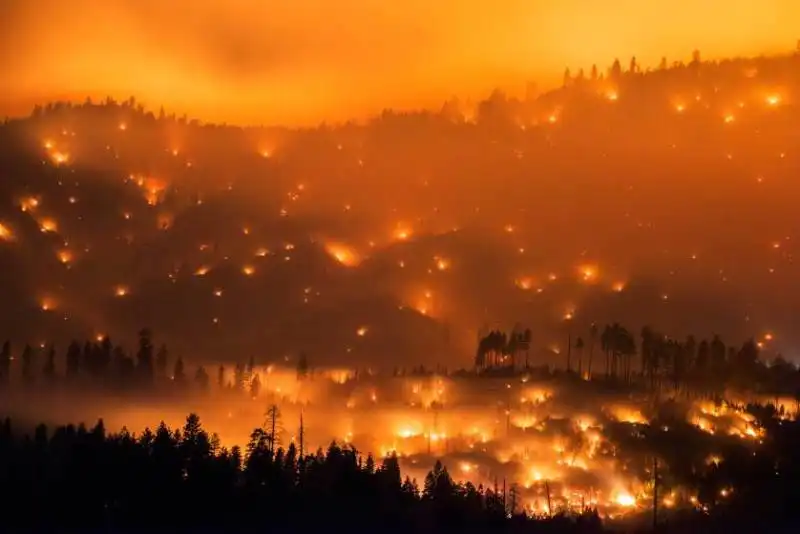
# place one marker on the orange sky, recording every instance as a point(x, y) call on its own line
point(301, 61)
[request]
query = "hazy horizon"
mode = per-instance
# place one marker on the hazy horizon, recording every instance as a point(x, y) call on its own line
point(250, 62)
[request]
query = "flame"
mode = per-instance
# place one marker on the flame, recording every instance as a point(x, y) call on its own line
point(5, 233)
point(248, 270)
point(48, 225)
point(29, 204)
point(343, 254)
point(588, 272)
point(60, 158)
point(121, 291)
point(64, 256)
point(626, 500)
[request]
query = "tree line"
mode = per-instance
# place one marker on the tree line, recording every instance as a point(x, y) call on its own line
point(183, 479)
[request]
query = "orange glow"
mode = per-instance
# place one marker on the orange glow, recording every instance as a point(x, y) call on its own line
point(48, 225)
point(5, 233)
point(47, 304)
point(60, 158)
point(248, 270)
point(121, 291)
point(433, 46)
point(588, 272)
point(362, 331)
point(343, 254)
point(202, 271)
point(773, 100)
point(402, 233)
point(29, 204)
point(524, 283)
point(65, 256)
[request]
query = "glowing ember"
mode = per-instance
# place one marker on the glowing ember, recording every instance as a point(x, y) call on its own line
point(248, 270)
point(121, 291)
point(64, 256)
point(5, 233)
point(362, 331)
point(60, 158)
point(342, 254)
point(29, 204)
point(48, 225)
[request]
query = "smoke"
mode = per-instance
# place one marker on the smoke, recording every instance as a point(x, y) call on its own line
point(251, 61)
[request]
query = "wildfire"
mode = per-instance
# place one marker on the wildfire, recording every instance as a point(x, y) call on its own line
point(626, 500)
point(48, 225)
point(524, 283)
point(402, 233)
point(342, 254)
point(29, 204)
point(121, 291)
point(5, 233)
point(588, 272)
point(60, 158)
point(64, 256)
point(442, 263)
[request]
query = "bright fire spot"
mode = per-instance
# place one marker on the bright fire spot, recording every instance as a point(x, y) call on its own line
point(729, 118)
point(48, 225)
point(524, 283)
point(60, 158)
point(768, 337)
point(29, 204)
point(569, 315)
point(588, 272)
point(442, 264)
point(266, 154)
point(509, 228)
point(680, 108)
point(202, 271)
point(64, 256)
point(261, 252)
point(342, 254)
point(5, 233)
point(626, 500)
point(618, 287)
point(362, 331)
point(123, 126)
point(773, 100)
point(402, 233)
point(217, 292)
point(248, 270)
point(612, 96)
point(552, 119)
point(48, 144)
point(47, 304)
point(121, 291)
